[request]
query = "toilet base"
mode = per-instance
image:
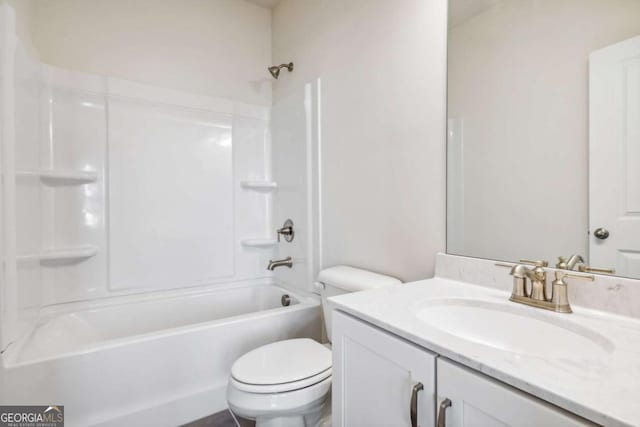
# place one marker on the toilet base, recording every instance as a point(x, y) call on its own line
point(302, 407)
point(319, 417)
point(298, 421)
point(280, 422)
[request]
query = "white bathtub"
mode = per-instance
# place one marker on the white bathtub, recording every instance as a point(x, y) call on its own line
point(160, 361)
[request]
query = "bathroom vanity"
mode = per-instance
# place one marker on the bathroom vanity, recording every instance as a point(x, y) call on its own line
point(448, 353)
point(533, 86)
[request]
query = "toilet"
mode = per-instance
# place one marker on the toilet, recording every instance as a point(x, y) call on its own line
point(288, 383)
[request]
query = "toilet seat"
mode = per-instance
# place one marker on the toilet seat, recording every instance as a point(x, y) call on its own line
point(281, 388)
point(282, 366)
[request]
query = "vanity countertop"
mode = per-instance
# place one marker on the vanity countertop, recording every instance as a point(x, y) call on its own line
point(603, 386)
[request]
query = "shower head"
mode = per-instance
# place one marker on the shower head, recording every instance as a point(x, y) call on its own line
point(275, 69)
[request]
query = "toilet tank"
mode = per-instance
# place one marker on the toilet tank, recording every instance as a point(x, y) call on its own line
point(343, 279)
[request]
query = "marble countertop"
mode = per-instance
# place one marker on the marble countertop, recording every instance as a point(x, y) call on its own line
point(602, 386)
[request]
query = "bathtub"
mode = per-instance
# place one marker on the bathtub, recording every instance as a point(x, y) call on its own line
point(155, 361)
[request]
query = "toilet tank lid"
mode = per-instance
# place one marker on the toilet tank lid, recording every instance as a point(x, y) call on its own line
point(354, 279)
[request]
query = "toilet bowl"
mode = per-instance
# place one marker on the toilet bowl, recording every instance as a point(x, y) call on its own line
point(288, 383)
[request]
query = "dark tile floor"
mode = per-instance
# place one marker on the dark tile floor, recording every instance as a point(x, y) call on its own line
point(220, 419)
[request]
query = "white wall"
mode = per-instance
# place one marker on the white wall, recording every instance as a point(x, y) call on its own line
point(382, 70)
point(211, 47)
point(518, 81)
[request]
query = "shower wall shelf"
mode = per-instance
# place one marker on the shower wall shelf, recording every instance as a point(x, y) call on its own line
point(259, 243)
point(62, 254)
point(60, 177)
point(259, 185)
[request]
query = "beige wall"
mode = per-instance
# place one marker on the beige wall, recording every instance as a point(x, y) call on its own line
point(518, 78)
point(382, 67)
point(25, 12)
point(215, 47)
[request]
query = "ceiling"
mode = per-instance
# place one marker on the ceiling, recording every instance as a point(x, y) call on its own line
point(461, 10)
point(269, 4)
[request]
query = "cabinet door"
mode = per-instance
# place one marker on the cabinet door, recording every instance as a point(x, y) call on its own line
point(478, 401)
point(374, 375)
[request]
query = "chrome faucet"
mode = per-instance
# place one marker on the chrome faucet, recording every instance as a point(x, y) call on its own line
point(273, 264)
point(536, 295)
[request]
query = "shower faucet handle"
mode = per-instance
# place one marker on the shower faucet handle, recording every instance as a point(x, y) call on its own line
point(286, 231)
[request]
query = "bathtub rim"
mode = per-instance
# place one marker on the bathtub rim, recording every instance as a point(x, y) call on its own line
point(10, 358)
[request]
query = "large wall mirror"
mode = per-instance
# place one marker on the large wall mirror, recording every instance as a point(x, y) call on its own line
point(544, 131)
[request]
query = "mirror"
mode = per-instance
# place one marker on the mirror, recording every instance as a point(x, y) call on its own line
point(544, 131)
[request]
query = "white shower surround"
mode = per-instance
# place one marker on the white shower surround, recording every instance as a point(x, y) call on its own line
point(141, 135)
point(84, 145)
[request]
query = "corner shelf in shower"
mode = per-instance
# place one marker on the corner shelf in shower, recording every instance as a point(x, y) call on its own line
point(60, 177)
point(259, 243)
point(61, 254)
point(259, 185)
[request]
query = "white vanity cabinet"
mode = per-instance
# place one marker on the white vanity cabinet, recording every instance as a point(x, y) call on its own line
point(479, 401)
point(374, 373)
point(374, 377)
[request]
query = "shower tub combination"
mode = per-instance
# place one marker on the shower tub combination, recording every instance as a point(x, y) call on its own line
point(127, 306)
point(151, 360)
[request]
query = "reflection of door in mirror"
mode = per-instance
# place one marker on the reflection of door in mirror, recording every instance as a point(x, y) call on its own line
point(614, 157)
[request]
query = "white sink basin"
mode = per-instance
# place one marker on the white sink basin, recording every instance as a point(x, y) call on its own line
point(510, 327)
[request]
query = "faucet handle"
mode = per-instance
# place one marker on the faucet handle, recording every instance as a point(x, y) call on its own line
point(286, 231)
point(504, 264)
point(536, 263)
point(560, 295)
point(562, 263)
point(586, 269)
point(560, 275)
point(517, 270)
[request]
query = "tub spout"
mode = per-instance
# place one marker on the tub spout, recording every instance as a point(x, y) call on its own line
point(273, 264)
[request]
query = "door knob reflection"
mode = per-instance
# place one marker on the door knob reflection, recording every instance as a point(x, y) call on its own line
point(601, 233)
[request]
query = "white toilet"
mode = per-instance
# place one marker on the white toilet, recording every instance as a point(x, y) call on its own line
point(287, 383)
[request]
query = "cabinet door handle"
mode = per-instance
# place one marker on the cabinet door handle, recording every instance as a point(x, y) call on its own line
point(413, 406)
point(442, 414)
